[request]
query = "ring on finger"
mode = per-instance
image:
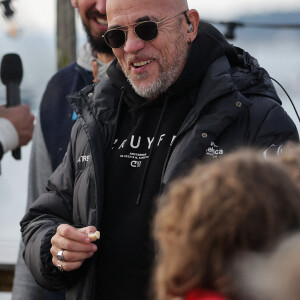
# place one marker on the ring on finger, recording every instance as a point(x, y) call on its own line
point(59, 266)
point(60, 255)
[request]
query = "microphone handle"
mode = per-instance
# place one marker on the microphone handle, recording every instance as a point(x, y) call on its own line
point(13, 99)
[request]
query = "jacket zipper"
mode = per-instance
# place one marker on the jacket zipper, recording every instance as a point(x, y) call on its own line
point(170, 150)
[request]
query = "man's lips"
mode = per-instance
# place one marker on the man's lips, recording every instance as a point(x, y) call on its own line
point(101, 21)
point(141, 63)
point(97, 17)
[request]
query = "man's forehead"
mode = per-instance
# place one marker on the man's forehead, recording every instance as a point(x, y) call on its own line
point(135, 10)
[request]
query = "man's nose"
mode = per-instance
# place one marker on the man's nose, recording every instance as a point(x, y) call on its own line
point(101, 6)
point(133, 44)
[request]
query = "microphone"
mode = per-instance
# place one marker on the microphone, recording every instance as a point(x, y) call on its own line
point(11, 75)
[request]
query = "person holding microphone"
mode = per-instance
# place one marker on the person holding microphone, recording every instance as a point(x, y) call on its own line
point(16, 127)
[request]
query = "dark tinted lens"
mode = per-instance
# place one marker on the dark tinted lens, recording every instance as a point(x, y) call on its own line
point(115, 38)
point(146, 31)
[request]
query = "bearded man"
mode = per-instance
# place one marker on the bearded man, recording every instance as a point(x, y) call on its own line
point(55, 120)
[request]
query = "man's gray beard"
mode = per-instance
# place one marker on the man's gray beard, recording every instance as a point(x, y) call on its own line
point(152, 91)
point(167, 78)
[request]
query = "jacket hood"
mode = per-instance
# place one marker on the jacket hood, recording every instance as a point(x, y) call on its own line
point(246, 73)
point(208, 46)
point(86, 57)
point(251, 78)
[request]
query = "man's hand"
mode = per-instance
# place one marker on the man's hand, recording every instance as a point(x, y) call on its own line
point(76, 244)
point(22, 119)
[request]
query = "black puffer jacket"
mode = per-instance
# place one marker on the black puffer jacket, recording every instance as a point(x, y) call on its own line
point(235, 105)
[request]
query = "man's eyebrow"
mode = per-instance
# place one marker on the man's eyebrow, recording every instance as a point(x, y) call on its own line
point(142, 19)
point(114, 27)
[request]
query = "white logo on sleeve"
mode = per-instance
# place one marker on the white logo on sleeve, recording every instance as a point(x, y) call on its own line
point(83, 158)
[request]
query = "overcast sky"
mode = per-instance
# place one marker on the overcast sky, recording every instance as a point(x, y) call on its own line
point(233, 8)
point(39, 14)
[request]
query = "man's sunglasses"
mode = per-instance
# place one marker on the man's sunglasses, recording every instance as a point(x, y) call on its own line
point(145, 30)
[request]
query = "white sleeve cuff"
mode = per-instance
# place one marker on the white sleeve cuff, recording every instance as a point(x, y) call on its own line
point(9, 137)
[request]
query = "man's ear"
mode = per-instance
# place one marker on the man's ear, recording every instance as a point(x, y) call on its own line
point(193, 16)
point(74, 3)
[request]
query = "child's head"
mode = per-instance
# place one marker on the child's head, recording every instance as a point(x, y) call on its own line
point(240, 202)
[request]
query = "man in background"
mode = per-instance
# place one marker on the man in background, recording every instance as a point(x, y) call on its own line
point(16, 127)
point(55, 120)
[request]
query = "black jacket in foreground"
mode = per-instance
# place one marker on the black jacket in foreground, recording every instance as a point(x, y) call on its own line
point(235, 104)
